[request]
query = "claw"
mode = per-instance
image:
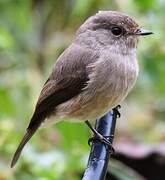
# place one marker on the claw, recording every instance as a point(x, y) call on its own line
point(116, 111)
point(103, 139)
point(118, 106)
point(90, 140)
point(112, 150)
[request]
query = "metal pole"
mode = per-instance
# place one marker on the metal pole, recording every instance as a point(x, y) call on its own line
point(99, 155)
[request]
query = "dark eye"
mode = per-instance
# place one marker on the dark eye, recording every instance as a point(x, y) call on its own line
point(117, 31)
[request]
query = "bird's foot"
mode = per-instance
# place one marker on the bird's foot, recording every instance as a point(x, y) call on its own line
point(103, 139)
point(98, 137)
point(116, 111)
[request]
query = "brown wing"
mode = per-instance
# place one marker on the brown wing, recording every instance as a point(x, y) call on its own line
point(67, 80)
point(54, 94)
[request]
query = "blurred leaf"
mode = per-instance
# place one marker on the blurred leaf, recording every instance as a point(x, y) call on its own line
point(145, 5)
point(6, 40)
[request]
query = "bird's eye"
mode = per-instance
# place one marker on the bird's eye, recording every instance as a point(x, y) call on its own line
point(117, 31)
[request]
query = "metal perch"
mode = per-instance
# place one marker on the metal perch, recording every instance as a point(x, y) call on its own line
point(100, 154)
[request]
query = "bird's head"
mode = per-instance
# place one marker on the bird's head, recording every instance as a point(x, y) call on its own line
point(111, 29)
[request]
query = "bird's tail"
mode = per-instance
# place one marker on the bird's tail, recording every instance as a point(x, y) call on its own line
point(29, 133)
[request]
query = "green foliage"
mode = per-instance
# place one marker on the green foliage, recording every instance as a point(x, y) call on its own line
point(32, 35)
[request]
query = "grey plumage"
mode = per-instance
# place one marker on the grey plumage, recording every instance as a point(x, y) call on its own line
point(93, 75)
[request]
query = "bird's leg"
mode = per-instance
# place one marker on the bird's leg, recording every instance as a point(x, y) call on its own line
point(99, 137)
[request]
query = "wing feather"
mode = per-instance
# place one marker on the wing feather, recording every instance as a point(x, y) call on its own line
point(67, 80)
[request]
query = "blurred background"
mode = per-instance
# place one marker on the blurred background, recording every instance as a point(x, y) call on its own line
point(33, 33)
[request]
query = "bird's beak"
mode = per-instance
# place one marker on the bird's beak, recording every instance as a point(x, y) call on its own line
point(142, 32)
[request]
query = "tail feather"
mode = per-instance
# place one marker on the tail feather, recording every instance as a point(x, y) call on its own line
point(29, 133)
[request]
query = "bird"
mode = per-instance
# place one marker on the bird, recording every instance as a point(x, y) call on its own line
point(93, 75)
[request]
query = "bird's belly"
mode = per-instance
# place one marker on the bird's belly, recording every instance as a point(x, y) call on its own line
point(98, 106)
point(79, 110)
